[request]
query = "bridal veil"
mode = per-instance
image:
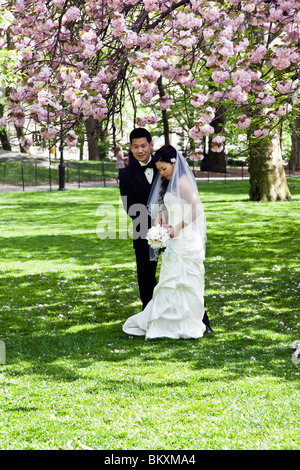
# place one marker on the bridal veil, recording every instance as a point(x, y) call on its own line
point(183, 187)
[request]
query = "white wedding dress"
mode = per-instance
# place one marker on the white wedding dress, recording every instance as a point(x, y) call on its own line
point(177, 307)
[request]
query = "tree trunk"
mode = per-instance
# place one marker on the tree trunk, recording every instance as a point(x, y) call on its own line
point(166, 127)
point(295, 150)
point(3, 135)
point(103, 144)
point(267, 176)
point(217, 159)
point(4, 141)
point(92, 138)
point(20, 135)
point(164, 113)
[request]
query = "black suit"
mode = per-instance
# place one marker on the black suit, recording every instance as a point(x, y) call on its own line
point(135, 190)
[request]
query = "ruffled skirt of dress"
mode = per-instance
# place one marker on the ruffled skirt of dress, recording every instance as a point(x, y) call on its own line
point(177, 307)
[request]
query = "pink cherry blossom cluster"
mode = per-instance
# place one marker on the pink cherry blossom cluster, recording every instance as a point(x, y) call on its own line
point(198, 99)
point(145, 120)
point(118, 24)
point(148, 89)
point(283, 58)
point(75, 56)
point(199, 131)
point(72, 14)
point(261, 133)
point(165, 102)
point(257, 54)
point(284, 109)
point(202, 125)
point(90, 44)
point(71, 139)
point(242, 122)
point(198, 155)
point(151, 5)
point(220, 76)
point(285, 87)
point(218, 143)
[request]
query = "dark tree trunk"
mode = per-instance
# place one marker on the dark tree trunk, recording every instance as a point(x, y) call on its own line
point(92, 138)
point(20, 135)
point(216, 160)
point(164, 113)
point(295, 150)
point(4, 140)
point(3, 135)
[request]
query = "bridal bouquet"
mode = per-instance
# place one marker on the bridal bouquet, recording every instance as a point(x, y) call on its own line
point(157, 236)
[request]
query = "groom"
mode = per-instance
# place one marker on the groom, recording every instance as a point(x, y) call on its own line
point(135, 184)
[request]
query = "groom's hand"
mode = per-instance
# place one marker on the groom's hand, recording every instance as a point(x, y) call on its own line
point(175, 230)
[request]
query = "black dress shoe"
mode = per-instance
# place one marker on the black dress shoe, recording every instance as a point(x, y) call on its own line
point(209, 331)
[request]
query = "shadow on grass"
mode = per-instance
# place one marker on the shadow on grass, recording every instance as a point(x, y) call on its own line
point(73, 308)
point(44, 342)
point(80, 249)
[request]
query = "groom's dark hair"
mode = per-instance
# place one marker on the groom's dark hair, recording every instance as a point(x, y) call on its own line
point(139, 133)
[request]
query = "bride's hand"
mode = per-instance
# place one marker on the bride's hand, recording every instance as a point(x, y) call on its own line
point(160, 219)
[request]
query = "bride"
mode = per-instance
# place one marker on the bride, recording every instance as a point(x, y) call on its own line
point(177, 307)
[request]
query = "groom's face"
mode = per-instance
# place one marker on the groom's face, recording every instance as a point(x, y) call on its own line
point(141, 149)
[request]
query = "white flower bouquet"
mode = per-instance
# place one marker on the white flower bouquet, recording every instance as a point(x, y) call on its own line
point(157, 236)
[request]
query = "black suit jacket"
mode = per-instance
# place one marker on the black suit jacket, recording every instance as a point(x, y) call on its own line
point(135, 189)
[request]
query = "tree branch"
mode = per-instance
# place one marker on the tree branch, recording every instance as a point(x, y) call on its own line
point(173, 7)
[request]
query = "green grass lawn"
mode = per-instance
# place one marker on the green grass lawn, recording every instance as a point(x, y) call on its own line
point(74, 380)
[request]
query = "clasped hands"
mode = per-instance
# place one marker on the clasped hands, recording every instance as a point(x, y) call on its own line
point(173, 230)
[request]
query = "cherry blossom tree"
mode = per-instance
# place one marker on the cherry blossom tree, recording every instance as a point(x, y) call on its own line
point(85, 58)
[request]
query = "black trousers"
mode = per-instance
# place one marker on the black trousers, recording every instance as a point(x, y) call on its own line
point(146, 271)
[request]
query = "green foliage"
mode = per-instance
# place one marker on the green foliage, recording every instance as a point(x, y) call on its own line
point(74, 380)
point(8, 58)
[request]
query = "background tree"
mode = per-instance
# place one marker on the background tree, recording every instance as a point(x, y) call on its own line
point(295, 150)
point(79, 59)
point(8, 62)
point(3, 135)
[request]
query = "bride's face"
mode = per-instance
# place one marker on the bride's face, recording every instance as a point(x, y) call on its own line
point(165, 169)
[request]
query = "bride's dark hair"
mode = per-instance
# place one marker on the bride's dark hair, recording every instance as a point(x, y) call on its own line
point(165, 154)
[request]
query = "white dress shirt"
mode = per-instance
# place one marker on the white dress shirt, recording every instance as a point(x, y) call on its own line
point(149, 171)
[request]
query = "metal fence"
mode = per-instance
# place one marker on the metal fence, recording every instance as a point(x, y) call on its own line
point(46, 173)
point(42, 173)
